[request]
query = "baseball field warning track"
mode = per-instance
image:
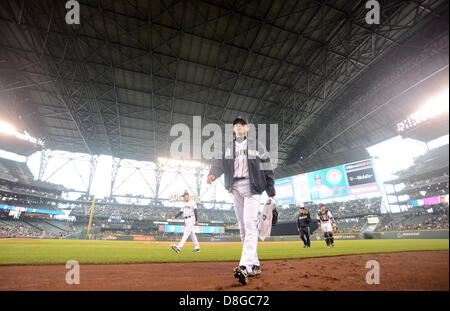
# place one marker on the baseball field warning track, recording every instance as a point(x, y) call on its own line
point(122, 265)
point(399, 271)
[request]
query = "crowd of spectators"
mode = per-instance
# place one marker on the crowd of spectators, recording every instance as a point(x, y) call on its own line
point(19, 195)
point(429, 191)
point(151, 212)
point(356, 228)
point(437, 220)
point(348, 214)
point(16, 230)
point(19, 229)
point(355, 207)
point(22, 200)
point(337, 209)
point(27, 190)
point(348, 225)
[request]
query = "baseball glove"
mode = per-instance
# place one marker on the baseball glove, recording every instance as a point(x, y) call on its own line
point(274, 215)
point(335, 228)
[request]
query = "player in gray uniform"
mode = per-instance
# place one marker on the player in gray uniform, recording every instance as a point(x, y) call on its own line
point(247, 174)
point(189, 212)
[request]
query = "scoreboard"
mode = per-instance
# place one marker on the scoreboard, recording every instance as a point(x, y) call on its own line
point(339, 181)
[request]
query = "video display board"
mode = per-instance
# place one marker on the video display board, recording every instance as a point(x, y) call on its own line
point(338, 181)
point(285, 191)
point(301, 192)
point(327, 183)
point(361, 177)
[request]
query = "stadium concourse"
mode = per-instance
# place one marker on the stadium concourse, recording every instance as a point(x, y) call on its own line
point(111, 110)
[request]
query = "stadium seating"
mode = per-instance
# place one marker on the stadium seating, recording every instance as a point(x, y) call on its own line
point(44, 226)
point(6, 175)
point(18, 188)
point(415, 220)
point(18, 170)
point(338, 209)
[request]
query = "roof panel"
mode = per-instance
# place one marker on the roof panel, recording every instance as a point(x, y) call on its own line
point(123, 73)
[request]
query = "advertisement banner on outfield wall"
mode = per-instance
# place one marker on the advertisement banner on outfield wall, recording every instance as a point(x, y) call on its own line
point(343, 236)
point(416, 234)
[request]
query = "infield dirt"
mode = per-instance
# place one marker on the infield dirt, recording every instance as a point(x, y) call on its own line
point(398, 272)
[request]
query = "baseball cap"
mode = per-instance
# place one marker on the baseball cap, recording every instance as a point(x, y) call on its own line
point(317, 176)
point(185, 193)
point(241, 120)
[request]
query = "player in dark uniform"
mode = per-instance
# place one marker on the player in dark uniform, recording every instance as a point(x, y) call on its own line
point(303, 222)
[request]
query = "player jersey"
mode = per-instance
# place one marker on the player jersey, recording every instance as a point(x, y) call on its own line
point(240, 159)
point(188, 208)
point(303, 220)
point(324, 217)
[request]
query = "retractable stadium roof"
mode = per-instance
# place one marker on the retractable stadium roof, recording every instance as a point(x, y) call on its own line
point(116, 83)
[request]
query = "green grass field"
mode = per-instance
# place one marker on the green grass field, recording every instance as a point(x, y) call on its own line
point(107, 252)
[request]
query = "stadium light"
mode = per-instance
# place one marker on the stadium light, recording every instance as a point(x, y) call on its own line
point(434, 107)
point(6, 128)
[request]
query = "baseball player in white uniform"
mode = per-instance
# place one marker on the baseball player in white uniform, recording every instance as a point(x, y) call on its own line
point(248, 173)
point(326, 221)
point(189, 212)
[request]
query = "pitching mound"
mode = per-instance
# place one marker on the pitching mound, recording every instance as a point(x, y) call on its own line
point(398, 271)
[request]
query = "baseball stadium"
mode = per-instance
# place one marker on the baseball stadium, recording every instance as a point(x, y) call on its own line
point(224, 145)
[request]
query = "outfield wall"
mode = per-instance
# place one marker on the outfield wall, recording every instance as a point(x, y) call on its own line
point(413, 234)
point(417, 234)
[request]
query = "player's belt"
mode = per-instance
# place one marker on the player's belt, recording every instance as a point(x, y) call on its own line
point(187, 217)
point(239, 178)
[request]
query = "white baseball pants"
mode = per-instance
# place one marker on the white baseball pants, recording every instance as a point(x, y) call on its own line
point(189, 224)
point(246, 207)
point(326, 227)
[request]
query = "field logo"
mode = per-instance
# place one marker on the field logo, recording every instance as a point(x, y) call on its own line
point(73, 275)
point(373, 275)
point(373, 16)
point(73, 16)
